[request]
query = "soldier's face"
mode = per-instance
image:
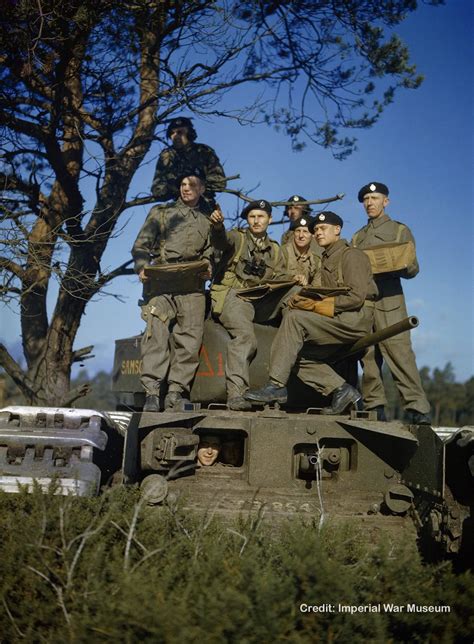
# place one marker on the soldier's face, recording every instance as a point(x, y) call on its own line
point(326, 234)
point(191, 190)
point(302, 238)
point(375, 204)
point(295, 212)
point(179, 137)
point(208, 451)
point(258, 221)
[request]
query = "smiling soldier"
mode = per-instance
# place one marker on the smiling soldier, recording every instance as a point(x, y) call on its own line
point(173, 234)
point(250, 258)
point(339, 319)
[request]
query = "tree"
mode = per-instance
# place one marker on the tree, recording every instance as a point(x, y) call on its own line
point(85, 85)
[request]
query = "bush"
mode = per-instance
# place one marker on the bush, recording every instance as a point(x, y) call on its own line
point(109, 568)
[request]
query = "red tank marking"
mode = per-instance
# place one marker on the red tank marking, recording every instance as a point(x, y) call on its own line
point(205, 358)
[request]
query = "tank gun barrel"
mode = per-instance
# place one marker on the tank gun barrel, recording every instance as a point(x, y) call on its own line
point(369, 340)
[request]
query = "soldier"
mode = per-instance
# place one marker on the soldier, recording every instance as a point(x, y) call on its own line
point(250, 258)
point(389, 308)
point(183, 156)
point(341, 319)
point(294, 212)
point(208, 450)
point(173, 233)
point(298, 258)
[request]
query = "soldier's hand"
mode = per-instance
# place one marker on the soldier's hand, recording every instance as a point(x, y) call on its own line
point(206, 275)
point(216, 217)
point(301, 279)
point(141, 276)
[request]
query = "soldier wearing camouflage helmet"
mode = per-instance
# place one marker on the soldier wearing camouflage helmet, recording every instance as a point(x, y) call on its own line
point(390, 308)
point(180, 158)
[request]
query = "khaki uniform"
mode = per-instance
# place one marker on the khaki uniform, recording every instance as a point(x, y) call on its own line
point(175, 323)
point(390, 308)
point(234, 313)
point(308, 264)
point(341, 266)
point(174, 163)
point(287, 238)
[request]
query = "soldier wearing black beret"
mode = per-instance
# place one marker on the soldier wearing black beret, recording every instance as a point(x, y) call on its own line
point(182, 157)
point(390, 308)
point(341, 319)
point(251, 258)
point(294, 211)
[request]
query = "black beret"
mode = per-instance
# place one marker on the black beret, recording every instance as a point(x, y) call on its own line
point(301, 222)
point(261, 204)
point(295, 199)
point(179, 121)
point(326, 217)
point(194, 172)
point(375, 186)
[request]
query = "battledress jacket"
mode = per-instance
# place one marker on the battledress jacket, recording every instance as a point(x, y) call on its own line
point(288, 237)
point(383, 230)
point(173, 233)
point(296, 263)
point(343, 265)
point(174, 163)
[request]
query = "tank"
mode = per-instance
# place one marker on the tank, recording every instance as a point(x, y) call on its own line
point(278, 462)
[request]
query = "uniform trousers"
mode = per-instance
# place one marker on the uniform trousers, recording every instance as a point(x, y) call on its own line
point(397, 352)
point(237, 317)
point(298, 327)
point(170, 345)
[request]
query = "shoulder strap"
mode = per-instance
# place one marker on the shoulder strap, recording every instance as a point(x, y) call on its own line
point(340, 276)
point(401, 228)
point(276, 248)
point(238, 253)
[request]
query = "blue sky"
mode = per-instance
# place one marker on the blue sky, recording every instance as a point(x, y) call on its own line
point(422, 148)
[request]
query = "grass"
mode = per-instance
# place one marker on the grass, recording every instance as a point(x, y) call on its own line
point(111, 569)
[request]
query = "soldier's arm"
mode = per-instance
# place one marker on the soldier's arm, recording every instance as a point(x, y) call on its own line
point(413, 268)
point(145, 242)
point(281, 271)
point(164, 186)
point(215, 176)
point(222, 239)
point(357, 276)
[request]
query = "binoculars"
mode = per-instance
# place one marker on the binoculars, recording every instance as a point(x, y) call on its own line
point(255, 267)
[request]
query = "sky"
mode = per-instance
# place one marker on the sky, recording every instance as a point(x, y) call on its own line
point(422, 148)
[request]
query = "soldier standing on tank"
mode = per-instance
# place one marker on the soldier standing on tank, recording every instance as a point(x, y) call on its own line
point(341, 319)
point(298, 258)
point(250, 258)
point(295, 211)
point(183, 156)
point(173, 233)
point(389, 308)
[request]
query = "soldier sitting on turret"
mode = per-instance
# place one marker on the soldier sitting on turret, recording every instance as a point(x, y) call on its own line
point(183, 156)
point(298, 258)
point(339, 319)
point(294, 212)
point(250, 258)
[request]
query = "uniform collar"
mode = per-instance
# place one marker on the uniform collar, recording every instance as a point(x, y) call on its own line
point(338, 245)
point(378, 221)
point(298, 254)
point(262, 243)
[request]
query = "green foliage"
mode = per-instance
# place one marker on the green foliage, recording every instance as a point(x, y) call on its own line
point(110, 569)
